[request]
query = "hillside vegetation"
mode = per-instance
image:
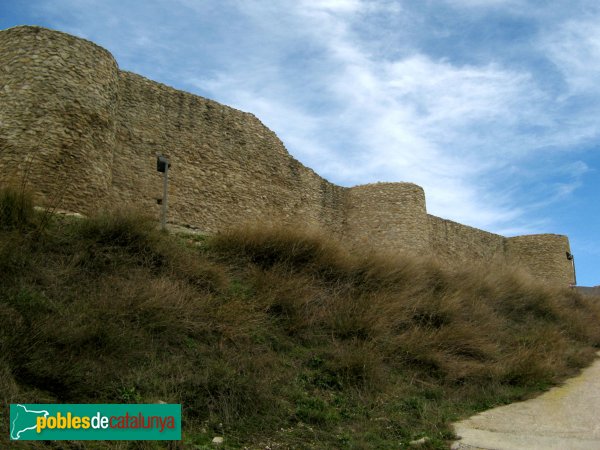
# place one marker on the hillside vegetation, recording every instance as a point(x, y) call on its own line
point(269, 337)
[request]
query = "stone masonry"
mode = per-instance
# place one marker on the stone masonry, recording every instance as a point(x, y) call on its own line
point(86, 134)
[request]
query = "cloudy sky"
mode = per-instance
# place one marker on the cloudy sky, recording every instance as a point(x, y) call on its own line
point(493, 106)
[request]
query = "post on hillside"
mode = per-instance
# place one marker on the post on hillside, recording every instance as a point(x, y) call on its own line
point(571, 258)
point(162, 165)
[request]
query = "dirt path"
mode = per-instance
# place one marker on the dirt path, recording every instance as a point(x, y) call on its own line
point(564, 418)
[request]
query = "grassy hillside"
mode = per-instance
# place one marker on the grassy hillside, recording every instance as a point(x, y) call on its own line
point(271, 338)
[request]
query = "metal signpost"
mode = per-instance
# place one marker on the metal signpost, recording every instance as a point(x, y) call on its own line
point(571, 258)
point(162, 165)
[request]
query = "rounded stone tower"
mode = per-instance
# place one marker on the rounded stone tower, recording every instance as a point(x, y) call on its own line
point(544, 256)
point(388, 216)
point(58, 100)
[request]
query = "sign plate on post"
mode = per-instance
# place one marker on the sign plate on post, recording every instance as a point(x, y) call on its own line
point(161, 164)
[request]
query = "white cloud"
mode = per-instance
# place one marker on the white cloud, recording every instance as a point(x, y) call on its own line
point(483, 3)
point(575, 49)
point(332, 6)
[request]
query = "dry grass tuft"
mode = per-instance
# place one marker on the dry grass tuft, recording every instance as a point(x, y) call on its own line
point(16, 208)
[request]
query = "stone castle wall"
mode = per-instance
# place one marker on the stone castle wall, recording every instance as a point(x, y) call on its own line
point(58, 108)
point(87, 134)
point(457, 242)
point(390, 216)
point(543, 255)
point(227, 167)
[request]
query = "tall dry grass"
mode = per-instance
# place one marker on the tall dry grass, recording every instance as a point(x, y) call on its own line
point(271, 336)
point(494, 324)
point(16, 208)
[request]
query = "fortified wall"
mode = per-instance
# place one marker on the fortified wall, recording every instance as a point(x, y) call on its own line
point(86, 134)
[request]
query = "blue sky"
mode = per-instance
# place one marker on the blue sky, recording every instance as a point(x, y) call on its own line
point(493, 106)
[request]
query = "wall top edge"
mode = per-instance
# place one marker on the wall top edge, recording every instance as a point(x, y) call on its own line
point(175, 90)
point(540, 235)
point(391, 184)
point(35, 29)
point(431, 216)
